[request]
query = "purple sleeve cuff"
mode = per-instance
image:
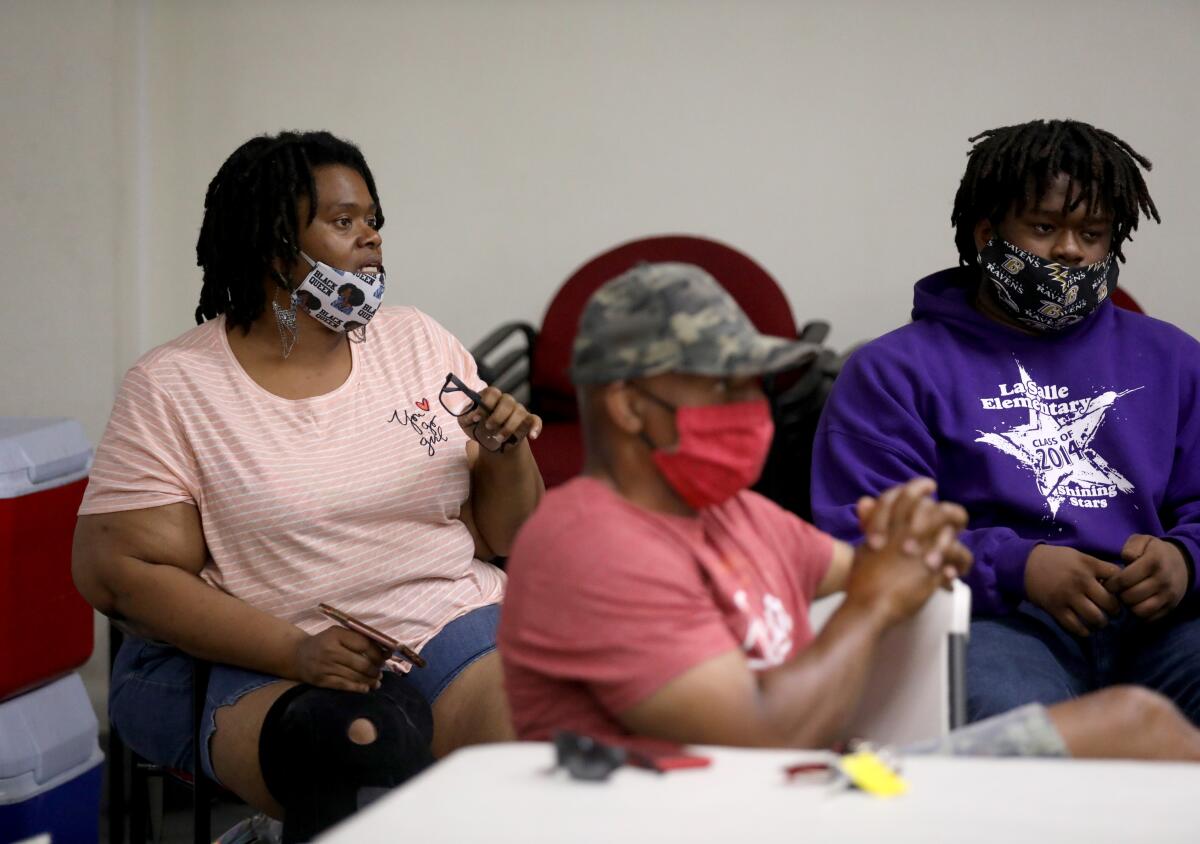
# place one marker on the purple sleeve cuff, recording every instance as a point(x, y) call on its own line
point(1009, 560)
point(997, 579)
point(1191, 550)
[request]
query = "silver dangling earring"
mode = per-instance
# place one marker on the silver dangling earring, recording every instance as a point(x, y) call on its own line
point(285, 321)
point(357, 335)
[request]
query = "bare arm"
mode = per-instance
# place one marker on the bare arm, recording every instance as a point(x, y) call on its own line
point(141, 567)
point(808, 701)
point(870, 514)
point(805, 703)
point(838, 571)
point(506, 485)
point(467, 516)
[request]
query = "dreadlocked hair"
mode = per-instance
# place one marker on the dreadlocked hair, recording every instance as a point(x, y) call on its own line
point(1012, 166)
point(251, 215)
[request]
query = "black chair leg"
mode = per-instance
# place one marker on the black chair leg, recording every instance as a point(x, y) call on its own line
point(118, 758)
point(117, 808)
point(202, 809)
point(202, 787)
point(139, 802)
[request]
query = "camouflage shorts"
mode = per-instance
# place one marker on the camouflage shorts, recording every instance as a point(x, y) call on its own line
point(1025, 731)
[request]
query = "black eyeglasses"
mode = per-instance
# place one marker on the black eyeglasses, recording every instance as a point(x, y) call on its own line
point(584, 758)
point(458, 399)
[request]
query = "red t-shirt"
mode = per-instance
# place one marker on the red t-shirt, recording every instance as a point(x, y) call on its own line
point(608, 602)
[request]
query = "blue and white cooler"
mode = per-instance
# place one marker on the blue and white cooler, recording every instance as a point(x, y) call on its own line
point(50, 765)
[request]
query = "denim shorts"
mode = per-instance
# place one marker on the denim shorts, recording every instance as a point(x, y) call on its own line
point(150, 694)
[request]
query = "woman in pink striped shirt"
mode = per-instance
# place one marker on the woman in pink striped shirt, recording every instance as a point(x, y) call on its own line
point(287, 453)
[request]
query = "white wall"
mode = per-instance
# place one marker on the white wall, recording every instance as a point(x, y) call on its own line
point(65, 223)
point(61, 225)
point(513, 140)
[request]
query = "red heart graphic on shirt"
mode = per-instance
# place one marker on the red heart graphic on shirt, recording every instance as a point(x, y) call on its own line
point(423, 404)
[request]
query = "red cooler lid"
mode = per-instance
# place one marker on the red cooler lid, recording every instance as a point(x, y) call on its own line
point(38, 453)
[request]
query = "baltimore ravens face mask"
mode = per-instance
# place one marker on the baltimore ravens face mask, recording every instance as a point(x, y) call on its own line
point(1045, 295)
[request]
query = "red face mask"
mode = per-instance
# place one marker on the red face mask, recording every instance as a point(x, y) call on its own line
point(721, 451)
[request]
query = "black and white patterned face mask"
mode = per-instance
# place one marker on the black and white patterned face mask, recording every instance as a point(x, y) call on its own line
point(1042, 294)
point(342, 300)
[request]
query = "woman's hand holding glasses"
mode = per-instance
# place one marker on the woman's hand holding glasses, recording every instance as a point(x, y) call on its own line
point(493, 418)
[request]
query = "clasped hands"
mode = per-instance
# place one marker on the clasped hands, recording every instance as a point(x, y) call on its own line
point(1082, 593)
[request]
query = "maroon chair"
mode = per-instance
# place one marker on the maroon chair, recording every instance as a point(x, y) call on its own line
point(1123, 300)
point(542, 366)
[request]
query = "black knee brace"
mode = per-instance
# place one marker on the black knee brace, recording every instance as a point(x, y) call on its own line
point(317, 772)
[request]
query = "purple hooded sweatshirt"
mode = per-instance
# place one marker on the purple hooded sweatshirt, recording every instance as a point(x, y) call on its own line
point(1080, 437)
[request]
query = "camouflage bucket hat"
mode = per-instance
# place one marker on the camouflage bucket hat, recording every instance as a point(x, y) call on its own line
point(660, 318)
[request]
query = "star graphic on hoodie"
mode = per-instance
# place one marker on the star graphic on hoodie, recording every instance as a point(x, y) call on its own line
point(1058, 449)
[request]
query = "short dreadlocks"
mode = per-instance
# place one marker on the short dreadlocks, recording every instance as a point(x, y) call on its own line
point(251, 217)
point(1011, 166)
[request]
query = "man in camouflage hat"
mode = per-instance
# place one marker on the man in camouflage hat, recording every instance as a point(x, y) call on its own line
point(660, 318)
point(657, 597)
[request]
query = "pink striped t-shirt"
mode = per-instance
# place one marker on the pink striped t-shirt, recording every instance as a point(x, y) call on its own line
point(351, 498)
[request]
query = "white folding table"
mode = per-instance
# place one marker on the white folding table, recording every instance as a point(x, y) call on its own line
point(504, 793)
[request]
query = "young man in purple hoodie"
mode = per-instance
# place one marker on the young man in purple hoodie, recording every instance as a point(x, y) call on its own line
point(1066, 426)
